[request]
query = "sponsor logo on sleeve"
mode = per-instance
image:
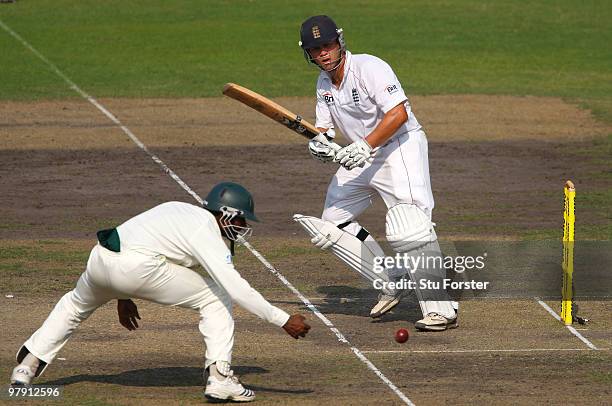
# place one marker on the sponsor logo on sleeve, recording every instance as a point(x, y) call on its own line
point(392, 89)
point(329, 99)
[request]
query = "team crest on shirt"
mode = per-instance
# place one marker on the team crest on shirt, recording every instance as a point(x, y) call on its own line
point(329, 99)
point(228, 258)
point(355, 95)
point(392, 89)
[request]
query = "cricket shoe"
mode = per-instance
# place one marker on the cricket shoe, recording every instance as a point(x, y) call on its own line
point(436, 322)
point(385, 303)
point(22, 375)
point(227, 388)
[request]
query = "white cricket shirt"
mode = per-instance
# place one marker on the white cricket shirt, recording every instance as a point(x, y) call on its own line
point(187, 235)
point(368, 91)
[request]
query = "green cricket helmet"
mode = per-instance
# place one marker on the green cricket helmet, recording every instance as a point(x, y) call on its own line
point(231, 195)
point(232, 201)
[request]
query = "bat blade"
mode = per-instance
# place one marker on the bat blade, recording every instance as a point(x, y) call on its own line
point(271, 109)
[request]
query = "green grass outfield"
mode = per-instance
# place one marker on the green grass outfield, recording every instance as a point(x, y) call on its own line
point(190, 48)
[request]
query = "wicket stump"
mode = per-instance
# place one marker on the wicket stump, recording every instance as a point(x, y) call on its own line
point(569, 219)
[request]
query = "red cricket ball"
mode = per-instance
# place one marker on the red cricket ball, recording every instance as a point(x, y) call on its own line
point(401, 335)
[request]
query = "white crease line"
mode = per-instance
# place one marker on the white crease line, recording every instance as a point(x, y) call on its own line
point(474, 351)
point(330, 325)
point(472, 299)
point(174, 176)
point(570, 328)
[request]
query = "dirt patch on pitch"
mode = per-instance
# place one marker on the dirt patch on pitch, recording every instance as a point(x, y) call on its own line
point(76, 124)
point(482, 189)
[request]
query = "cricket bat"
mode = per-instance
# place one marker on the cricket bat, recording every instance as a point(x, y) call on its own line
point(271, 109)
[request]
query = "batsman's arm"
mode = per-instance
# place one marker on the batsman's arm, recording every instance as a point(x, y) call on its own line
point(361, 151)
point(390, 123)
point(324, 124)
point(386, 91)
point(323, 117)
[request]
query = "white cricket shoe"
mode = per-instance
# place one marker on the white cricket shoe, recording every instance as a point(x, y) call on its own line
point(385, 303)
point(227, 388)
point(22, 375)
point(436, 322)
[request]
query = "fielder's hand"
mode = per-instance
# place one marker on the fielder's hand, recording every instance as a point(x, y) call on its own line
point(296, 327)
point(323, 149)
point(354, 155)
point(128, 313)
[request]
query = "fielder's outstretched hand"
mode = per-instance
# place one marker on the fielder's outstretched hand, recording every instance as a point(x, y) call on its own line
point(128, 313)
point(296, 327)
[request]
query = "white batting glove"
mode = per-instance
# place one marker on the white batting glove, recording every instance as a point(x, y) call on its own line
point(322, 149)
point(321, 241)
point(354, 155)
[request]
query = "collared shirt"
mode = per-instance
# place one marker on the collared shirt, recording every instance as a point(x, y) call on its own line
point(368, 91)
point(187, 235)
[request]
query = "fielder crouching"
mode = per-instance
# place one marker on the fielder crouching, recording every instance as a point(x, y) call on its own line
point(148, 257)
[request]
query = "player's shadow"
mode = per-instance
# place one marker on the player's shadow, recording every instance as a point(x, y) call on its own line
point(352, 301)
point(171, 376)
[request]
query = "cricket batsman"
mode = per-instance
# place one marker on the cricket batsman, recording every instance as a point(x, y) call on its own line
point(361, 96)
point(148, 257)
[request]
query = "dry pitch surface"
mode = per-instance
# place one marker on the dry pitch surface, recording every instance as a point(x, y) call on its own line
point(67, 171)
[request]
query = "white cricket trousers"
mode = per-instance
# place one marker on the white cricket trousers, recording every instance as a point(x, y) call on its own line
point(138, 274)
point(399, 173)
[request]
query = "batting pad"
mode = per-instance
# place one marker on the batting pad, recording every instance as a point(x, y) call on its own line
point(351, 250)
